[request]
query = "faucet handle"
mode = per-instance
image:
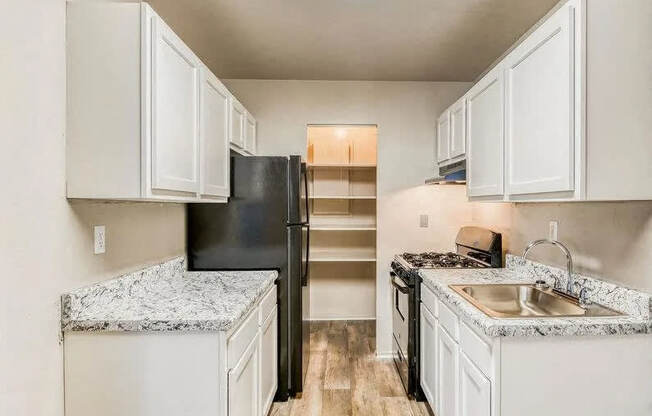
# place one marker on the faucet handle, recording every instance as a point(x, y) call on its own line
point(584, 296)
point(556, 284)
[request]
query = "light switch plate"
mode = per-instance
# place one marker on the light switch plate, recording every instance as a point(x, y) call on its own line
point(553, 228)
point(99, 239)
point(423, 221)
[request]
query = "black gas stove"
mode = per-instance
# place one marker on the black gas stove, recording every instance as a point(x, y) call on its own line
point(476, 248)
point(433, 260)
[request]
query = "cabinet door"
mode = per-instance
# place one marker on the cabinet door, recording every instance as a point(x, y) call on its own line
point(175, 112)
point(443, 137)
point(213, 136)
point(428, 355)
point(250, 133)
point(268, 362)
point(244, 383)
point(540, 130)
point(458, 129)
point(475, 390)
point(329, 145)
point(363, 145)
point(448, 373)
point(485, 121)
point(236, 123)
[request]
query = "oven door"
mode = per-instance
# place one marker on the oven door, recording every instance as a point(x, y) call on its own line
point(400, 311)
point(400, 325)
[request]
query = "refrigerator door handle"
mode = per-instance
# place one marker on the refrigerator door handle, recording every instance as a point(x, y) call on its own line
point(304, 277)
point(304, 172)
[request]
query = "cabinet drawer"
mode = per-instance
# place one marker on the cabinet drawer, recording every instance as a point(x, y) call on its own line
point(478, 351)
point(429, 300)
point(449, 321)
point(242, 337)
point(267, 305)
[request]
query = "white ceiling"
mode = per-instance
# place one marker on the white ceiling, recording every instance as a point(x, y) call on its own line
point(412, 40)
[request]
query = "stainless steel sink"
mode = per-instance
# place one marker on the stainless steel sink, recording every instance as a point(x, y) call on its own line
point(526, 301)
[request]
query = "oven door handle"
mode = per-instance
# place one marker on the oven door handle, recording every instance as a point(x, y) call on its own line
point(399, 285)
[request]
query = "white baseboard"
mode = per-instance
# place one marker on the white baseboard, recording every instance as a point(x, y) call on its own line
point(364, 318)
point(384, 355)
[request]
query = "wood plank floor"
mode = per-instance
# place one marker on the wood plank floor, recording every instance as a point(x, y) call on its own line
point(345, 377)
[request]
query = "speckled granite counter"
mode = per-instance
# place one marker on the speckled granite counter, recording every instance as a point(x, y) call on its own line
point(165, 297)
point(636, 305)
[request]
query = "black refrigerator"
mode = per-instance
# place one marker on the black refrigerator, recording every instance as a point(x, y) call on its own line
point(264, 226)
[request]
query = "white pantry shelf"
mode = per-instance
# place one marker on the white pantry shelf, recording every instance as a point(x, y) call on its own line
point(342, 227)
point(341, 166)
point(339, 255)
point(342, 197)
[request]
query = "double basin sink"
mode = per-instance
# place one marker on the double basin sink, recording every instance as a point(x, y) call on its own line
point(527, 301)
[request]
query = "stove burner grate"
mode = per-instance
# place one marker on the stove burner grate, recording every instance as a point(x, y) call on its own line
point(440, 260)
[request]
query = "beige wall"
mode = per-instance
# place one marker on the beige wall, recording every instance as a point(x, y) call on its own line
point(405, 113)
point(609, 240)
point(45, 241)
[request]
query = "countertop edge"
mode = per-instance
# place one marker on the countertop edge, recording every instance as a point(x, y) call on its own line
point(162, 325)
point(495, 327)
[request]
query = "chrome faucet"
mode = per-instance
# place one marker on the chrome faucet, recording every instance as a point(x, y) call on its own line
point(564, 249)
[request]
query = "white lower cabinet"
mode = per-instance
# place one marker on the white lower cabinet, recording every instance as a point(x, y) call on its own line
point(244, 382)
point(154, 373)
point(447, 380)
point(475, 390)
point(253, 374)
point(268, 357)
point(452, 382)
point(428, 355)
point(477, 375)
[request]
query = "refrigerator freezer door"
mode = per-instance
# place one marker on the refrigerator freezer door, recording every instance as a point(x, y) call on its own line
point(250, 231)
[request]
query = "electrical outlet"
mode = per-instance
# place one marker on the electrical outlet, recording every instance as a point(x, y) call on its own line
point(552, 230)
point(423, 221)
point(99, 238)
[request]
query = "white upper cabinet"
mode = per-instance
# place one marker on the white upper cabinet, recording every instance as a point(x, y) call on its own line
point(175, 111)
point(485, 121)
point(250, 133)
point(242, 133)
point(146, 119)
point(458, 129)
point(451, 134)
point(214, 141)
point(526, 117)
point(237, 123)
point(540, 102)
point(443, 137)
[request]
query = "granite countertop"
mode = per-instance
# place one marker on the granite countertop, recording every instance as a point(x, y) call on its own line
point(634, 304)
point(166, 297)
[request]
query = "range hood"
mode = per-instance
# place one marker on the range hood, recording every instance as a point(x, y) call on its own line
point(453, 174)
